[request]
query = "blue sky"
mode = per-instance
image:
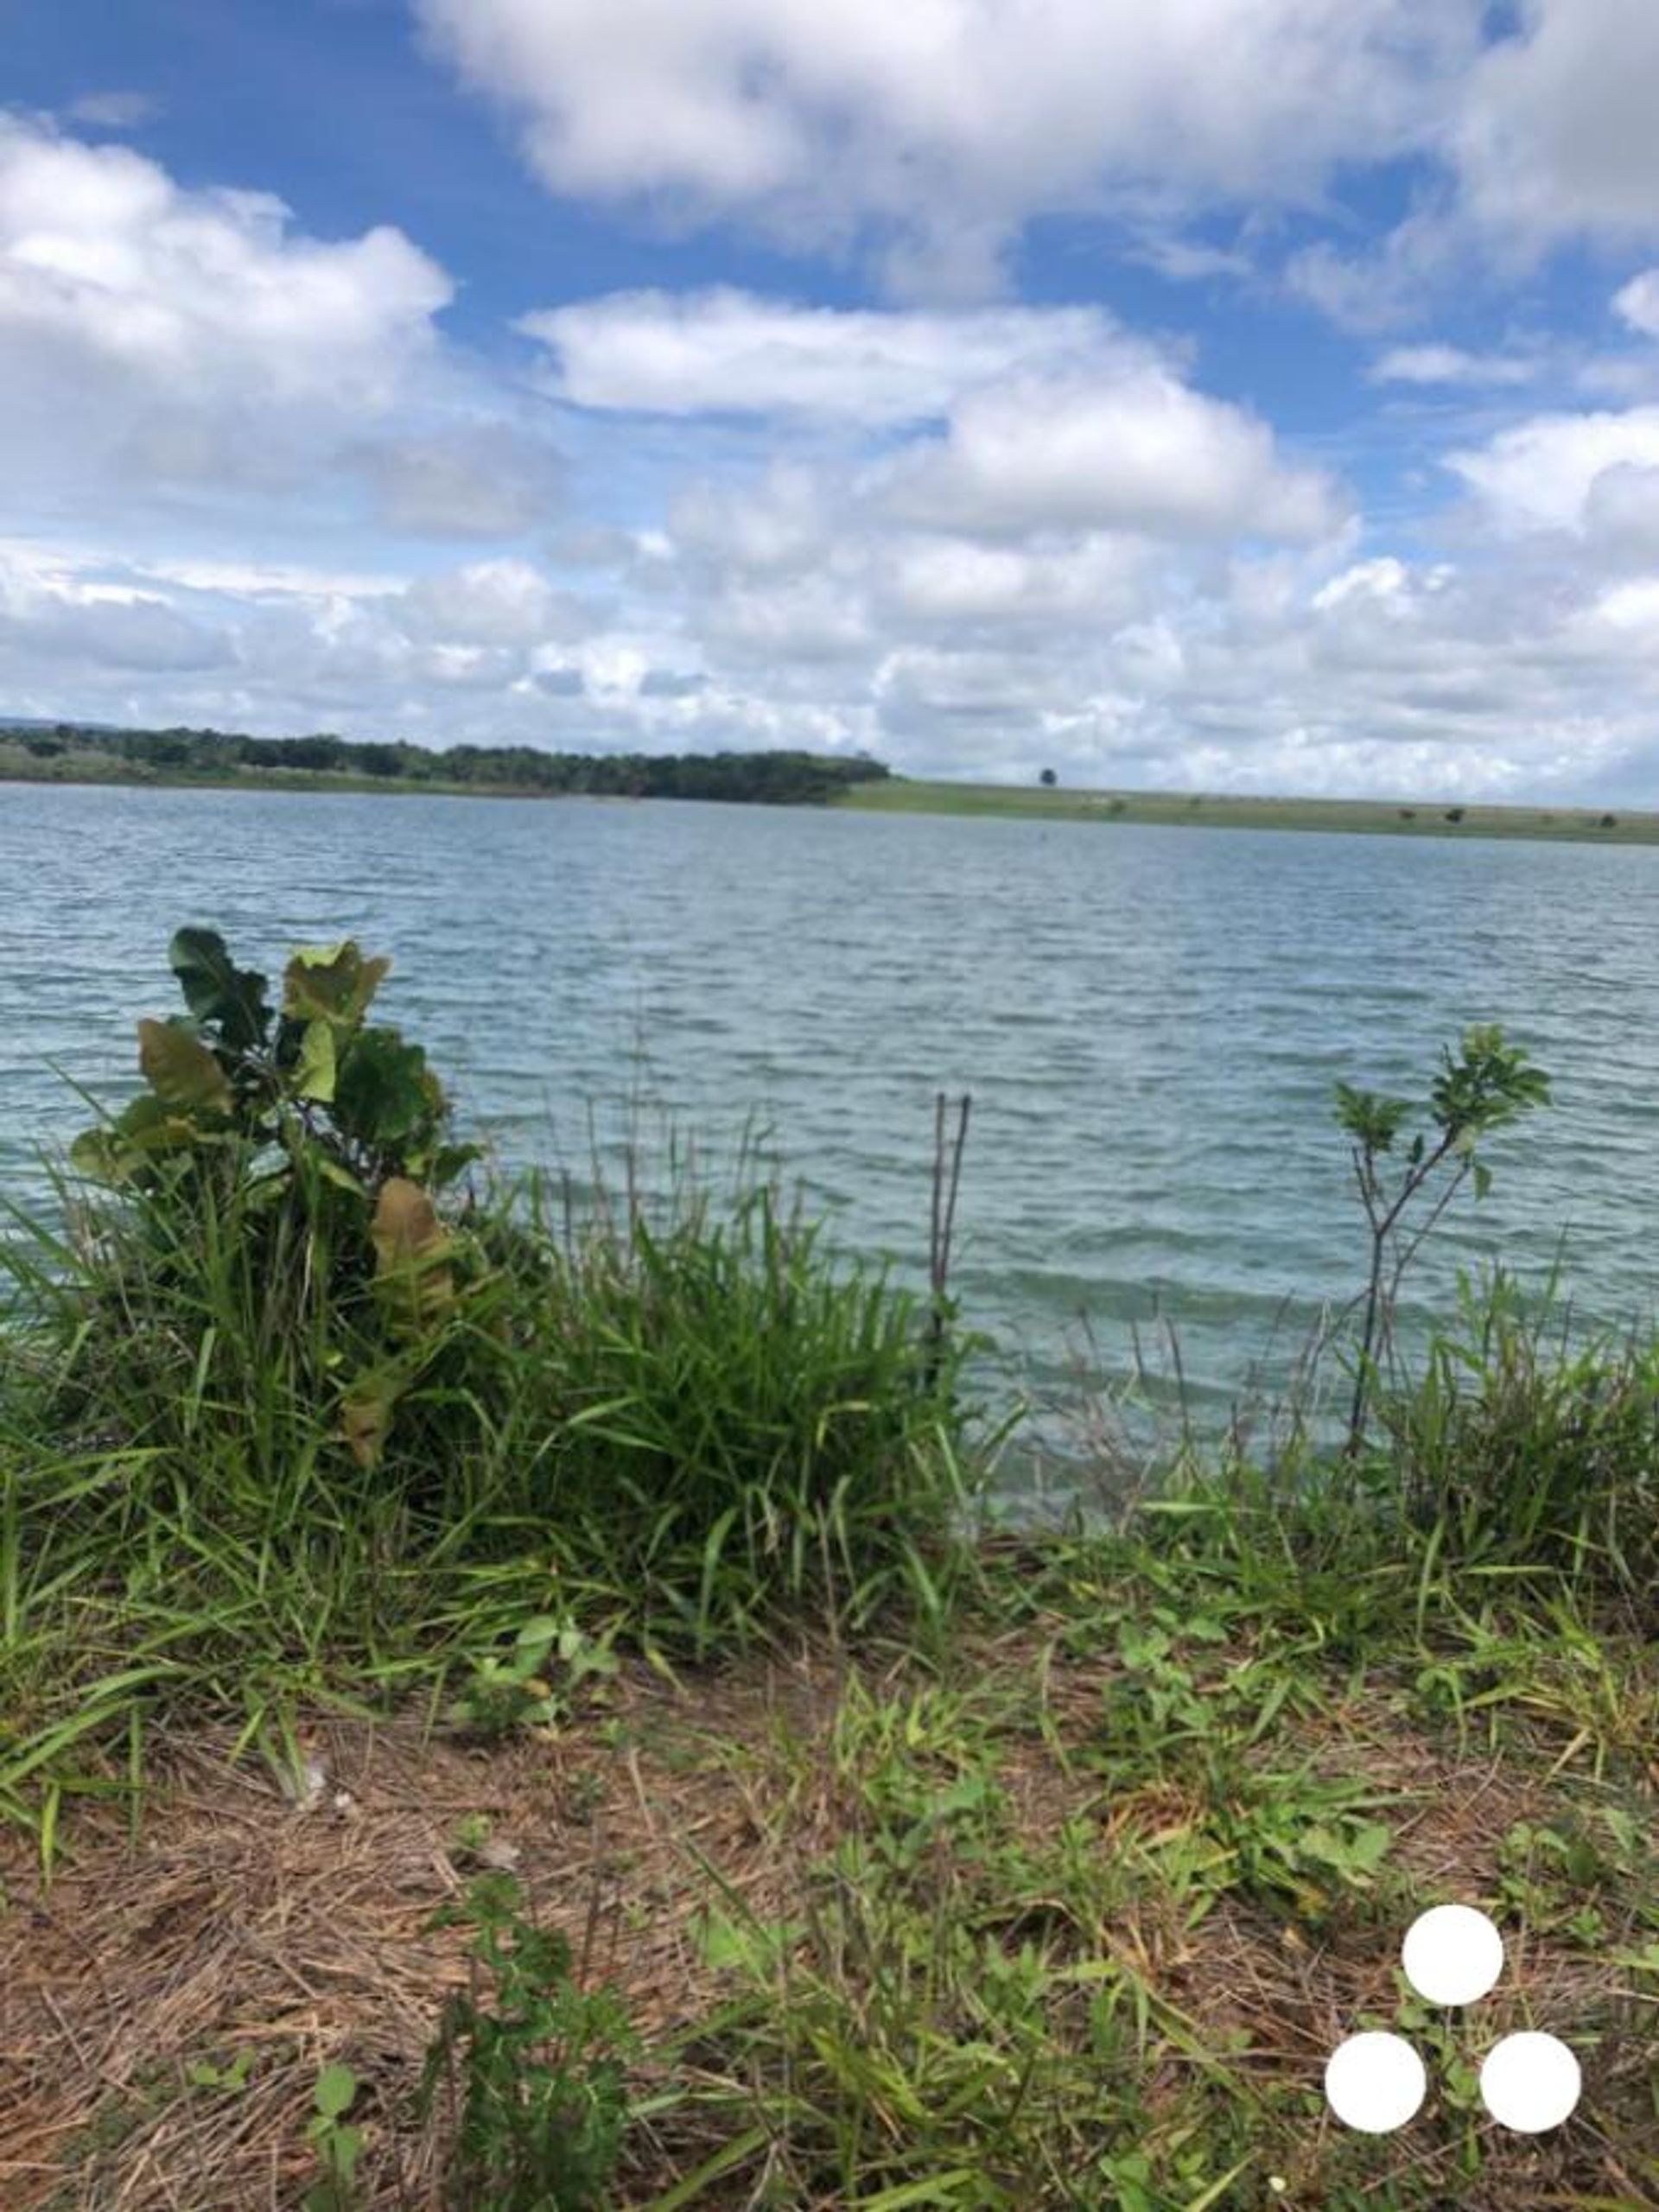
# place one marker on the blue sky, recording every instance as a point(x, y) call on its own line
point(1248, 394)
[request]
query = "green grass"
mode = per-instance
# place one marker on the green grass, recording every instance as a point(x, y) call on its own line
point(1104, 1891)
point(1184, 809)
point(678, 1425)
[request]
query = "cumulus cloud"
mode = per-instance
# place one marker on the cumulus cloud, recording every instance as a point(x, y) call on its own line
point(1138, 452)
point(1621, 513)
point(1544, 474)
point(949, 584)
point(49, 619)
point(1377, 287)
point(501, 603)
point(937, 128)
point(1112, 659)
point(106, 264)
point(726, 351)
point(1554, 134)
point(1637, 303)
point(929, 136)
point(976, 539)
point(158, 342)
point(786, 520)
point(1542, 134)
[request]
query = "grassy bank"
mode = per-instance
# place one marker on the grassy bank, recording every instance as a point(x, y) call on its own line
point(1184, 809)
point(512, 1704)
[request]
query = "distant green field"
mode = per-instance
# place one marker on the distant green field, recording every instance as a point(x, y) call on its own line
point(1437, 818)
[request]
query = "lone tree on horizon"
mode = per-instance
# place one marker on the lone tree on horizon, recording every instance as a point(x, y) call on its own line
point(1048, 779)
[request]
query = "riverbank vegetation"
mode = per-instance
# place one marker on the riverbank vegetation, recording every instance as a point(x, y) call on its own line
point(519, 1696)
point(67, 752)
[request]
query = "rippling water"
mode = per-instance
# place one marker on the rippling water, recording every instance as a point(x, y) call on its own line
point(1149, 1020)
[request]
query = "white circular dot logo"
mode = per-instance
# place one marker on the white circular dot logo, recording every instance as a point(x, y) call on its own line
point(1530, 2082)
point(1375, 2082)
point(1452, 1955)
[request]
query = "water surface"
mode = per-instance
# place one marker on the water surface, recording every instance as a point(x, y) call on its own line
point(1149, 1020)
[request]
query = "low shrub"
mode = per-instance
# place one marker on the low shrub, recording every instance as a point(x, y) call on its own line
point(300, 1397)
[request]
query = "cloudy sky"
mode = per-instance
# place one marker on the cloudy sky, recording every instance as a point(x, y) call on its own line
point(1250, 395)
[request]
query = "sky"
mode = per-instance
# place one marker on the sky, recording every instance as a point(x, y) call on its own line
point(1231, 395)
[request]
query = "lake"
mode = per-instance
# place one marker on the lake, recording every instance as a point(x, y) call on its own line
point(1150, 1021)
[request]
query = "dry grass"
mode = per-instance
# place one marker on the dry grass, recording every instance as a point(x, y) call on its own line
point(240, 1921)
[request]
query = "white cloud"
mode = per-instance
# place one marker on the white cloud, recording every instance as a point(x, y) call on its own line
point(1137, 451)
point(1637, 303)
point(1540, 135)
point(800, 620)
point(1621, 514)
point(106, 265)
point(938, 128)
point(500, 603)
point(1555, 134)
point(1629, 613)
point(1450, 364)
point(949, 583)
point(785, 521)
point(1544, 474)
point(49, 617)
point(980, 539)
point(1306, 672)
point(730, 352)
point(267, 579)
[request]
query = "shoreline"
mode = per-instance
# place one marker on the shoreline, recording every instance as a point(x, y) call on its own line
point(896, 795)
point(1585, 825)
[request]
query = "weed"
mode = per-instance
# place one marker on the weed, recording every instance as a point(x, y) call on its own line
point(533, 2066)
point(535, 1684)
point(337, 2144)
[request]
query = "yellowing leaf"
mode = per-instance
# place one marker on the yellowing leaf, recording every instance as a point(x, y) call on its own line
point(406, 1228)
point(314, 1076)
point(331, 982)
point(181, 1069)
point(409, 1243)
point(365, 1419)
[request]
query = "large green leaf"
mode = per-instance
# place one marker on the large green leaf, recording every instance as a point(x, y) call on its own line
point(219, 995)
point(181, 1069)
point(331, 982)
point(385, 1094)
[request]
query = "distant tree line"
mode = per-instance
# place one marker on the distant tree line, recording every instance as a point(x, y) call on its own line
point(770, 779)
